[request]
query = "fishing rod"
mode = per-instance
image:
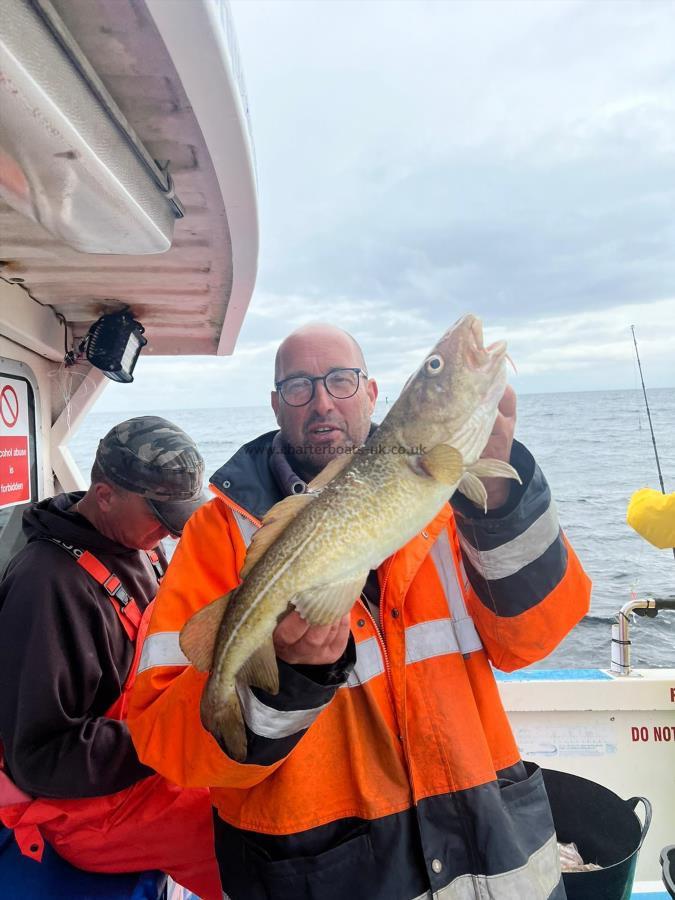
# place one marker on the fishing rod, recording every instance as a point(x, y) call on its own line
point(649, 417)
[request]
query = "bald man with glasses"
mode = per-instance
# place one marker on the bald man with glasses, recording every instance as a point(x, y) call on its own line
point(385, 767)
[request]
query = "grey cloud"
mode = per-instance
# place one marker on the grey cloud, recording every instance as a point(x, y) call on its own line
point(516, 156)
point(417, 160)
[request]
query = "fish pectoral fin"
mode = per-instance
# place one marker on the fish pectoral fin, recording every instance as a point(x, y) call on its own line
point(443, 463)
point(275, 522)
point(473, 488)
point(261, 669)
point(329, 472)
point(326, 603)
point(198, 636)
point(494, 468)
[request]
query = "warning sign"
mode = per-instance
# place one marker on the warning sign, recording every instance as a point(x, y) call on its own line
point(14, 448)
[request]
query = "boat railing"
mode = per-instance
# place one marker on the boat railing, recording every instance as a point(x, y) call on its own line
point(621, 642)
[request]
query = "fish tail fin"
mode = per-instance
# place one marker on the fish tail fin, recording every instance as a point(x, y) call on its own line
point(224, 719)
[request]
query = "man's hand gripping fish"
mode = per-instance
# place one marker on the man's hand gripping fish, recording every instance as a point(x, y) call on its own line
point(314, 550)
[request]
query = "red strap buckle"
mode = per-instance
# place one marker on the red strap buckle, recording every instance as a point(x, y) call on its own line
point(125, 606)
point(112, 583)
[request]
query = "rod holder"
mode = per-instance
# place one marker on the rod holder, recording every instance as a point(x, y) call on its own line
point(621, 642)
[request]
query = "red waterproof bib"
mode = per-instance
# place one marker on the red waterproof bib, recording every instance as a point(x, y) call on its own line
point(151, 825)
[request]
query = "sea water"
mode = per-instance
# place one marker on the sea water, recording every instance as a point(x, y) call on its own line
point(595, 449)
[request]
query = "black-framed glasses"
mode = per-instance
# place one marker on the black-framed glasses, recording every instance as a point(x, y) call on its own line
point(298, 390)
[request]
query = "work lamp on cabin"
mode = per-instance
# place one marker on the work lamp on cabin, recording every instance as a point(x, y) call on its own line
point(113, 345)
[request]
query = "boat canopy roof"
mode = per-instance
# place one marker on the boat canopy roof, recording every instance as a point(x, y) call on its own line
point(168, 73)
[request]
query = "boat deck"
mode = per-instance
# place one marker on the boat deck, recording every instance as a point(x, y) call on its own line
point(618, 731)
point(650, 890)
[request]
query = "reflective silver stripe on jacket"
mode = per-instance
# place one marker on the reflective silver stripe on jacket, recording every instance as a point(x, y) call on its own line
point(162, 649)
point(423, 641)
point(428, 639)
point(514, 555)
point(369, 663)
point(439, 637)
point(274, 723)
point(467, 638)
point(536, 880)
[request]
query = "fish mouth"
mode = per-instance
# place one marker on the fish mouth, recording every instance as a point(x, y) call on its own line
point(477, 356)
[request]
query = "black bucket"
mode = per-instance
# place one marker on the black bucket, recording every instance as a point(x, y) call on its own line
point(668, 868)
point(605, 829)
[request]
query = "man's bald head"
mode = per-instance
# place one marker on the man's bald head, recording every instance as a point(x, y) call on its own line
point(315, 333)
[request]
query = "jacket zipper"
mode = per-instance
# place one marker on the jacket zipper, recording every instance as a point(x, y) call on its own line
point(379, 634)
point(235, 506)
point(387, 668)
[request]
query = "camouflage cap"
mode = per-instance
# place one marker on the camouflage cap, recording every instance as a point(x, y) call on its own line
point(155, 458)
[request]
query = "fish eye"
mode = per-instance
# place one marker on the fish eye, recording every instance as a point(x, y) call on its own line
point(434, 364)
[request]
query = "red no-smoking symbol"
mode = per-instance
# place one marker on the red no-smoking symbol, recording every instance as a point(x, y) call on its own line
point(9, 406)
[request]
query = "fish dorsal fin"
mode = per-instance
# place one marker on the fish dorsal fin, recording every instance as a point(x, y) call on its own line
point(473, 488)
point(327, 603)
point(198, 636)
point(275, 522)
point(329, 472)
point(443, 463)
point(261, 670)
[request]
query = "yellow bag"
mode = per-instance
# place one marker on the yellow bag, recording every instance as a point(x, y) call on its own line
point(652, 515)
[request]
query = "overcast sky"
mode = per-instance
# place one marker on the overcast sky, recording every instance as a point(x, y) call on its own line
point(418, 160)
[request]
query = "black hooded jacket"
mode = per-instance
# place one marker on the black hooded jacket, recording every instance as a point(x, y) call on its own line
point(64, 658)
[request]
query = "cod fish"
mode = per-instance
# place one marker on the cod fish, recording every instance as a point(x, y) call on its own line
point(314, 550)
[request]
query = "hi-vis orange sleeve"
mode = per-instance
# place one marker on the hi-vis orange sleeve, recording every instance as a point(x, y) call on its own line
point(164, 715)
point(520, 640)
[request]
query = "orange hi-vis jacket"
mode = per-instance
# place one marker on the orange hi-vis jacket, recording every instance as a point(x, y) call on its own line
point(394, 774)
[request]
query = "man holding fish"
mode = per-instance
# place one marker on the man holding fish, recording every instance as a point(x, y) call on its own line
point(329, 675)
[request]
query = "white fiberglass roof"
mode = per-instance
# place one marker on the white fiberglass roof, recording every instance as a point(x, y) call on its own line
point(172, 69)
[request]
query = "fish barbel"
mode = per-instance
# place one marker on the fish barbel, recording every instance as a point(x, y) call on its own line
point(314, 550)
